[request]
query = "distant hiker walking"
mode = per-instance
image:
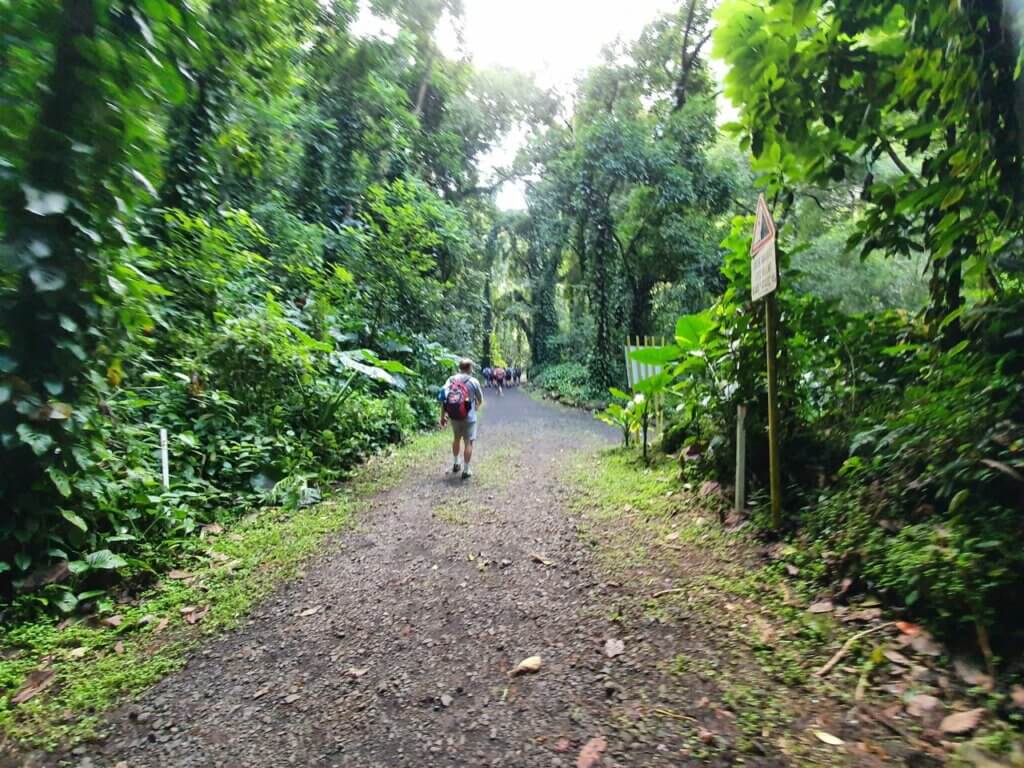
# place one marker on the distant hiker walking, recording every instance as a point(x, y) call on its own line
point(460, 399)
point(499, 378)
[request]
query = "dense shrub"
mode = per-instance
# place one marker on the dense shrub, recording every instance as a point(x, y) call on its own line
point(903, 453)
point(571, 383)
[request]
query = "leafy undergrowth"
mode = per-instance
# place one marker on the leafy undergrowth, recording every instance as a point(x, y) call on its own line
point(753, 633)
point(82, 667)
point(569, 383)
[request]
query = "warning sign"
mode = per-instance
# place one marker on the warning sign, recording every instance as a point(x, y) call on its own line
point(764, 271)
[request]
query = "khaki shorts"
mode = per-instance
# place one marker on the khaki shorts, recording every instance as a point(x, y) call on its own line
point(464, 428)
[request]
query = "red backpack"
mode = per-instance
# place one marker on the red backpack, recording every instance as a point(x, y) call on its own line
point(458, 401)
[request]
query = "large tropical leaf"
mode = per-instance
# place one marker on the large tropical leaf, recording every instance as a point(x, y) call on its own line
point(690, 329)
point(656, 355)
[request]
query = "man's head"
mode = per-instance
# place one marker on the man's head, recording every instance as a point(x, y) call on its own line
point(466, 365)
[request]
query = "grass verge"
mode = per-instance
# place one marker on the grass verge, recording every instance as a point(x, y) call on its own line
point(88, 665)
point(748, 637)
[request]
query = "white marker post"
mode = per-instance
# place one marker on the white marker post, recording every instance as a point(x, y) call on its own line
point(741, 459)
point(164, 460)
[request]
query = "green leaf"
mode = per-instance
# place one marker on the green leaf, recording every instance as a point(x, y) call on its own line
point(958, 500)
point(690, 329)
point(5, 393)
point(106, 560)
point(77, 567)
point(44, 203)
point(656, 355)
point(61, 481)
point(23, 561)
point(75, 520)
point(4, 566)
point(39, 442)
point(958, 348)
point(47, 279)
point(66, 601)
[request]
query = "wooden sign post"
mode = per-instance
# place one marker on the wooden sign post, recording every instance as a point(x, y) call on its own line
point(764, 281)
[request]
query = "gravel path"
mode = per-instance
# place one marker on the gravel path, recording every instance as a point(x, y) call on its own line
point(393, 649)
point(417, 621)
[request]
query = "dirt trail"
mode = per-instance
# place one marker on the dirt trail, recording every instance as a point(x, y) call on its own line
point(393, 649)
point(435, 595)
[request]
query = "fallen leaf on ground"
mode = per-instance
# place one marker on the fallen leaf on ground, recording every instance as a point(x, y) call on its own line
point(897, 658)
point(119, 648)
point(36, 681)
point(828, 738)
point(562, 745)
point(114, 621)
point(922, 705)
point(792, 570)
point(77, 653)
point(672, 536)
point(822, 606)
point(310, 611)
point(787, 595)
point(590, 755)
point(971, 675)
point(765, 631)
point(161, 625)
point(261, 693)
point(866, 614)
point(540, 559)
point(356, 671)
point(196, 615)
point(962, 722)
point(705, 735)
point(923, 644)
point(211, 529)
point(613, 647)
point(178, 575)
point(531, 664)
point(291, 698)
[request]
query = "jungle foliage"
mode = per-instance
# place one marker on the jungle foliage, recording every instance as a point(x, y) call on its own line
point(893, 127)
point(245, 223)
point(236, 221)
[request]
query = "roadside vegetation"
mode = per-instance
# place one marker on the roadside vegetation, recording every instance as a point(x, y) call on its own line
point(255, 227)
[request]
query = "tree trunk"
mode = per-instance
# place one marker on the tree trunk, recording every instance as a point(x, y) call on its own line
point(486, 350)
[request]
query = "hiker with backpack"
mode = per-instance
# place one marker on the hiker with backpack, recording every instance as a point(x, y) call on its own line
point(499, 379)
point(460, 398)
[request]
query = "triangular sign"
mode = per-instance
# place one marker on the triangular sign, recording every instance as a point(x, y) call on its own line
point(764, 226)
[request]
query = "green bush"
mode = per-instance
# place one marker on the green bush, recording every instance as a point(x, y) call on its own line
point(570, 382)
point(904, 456)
